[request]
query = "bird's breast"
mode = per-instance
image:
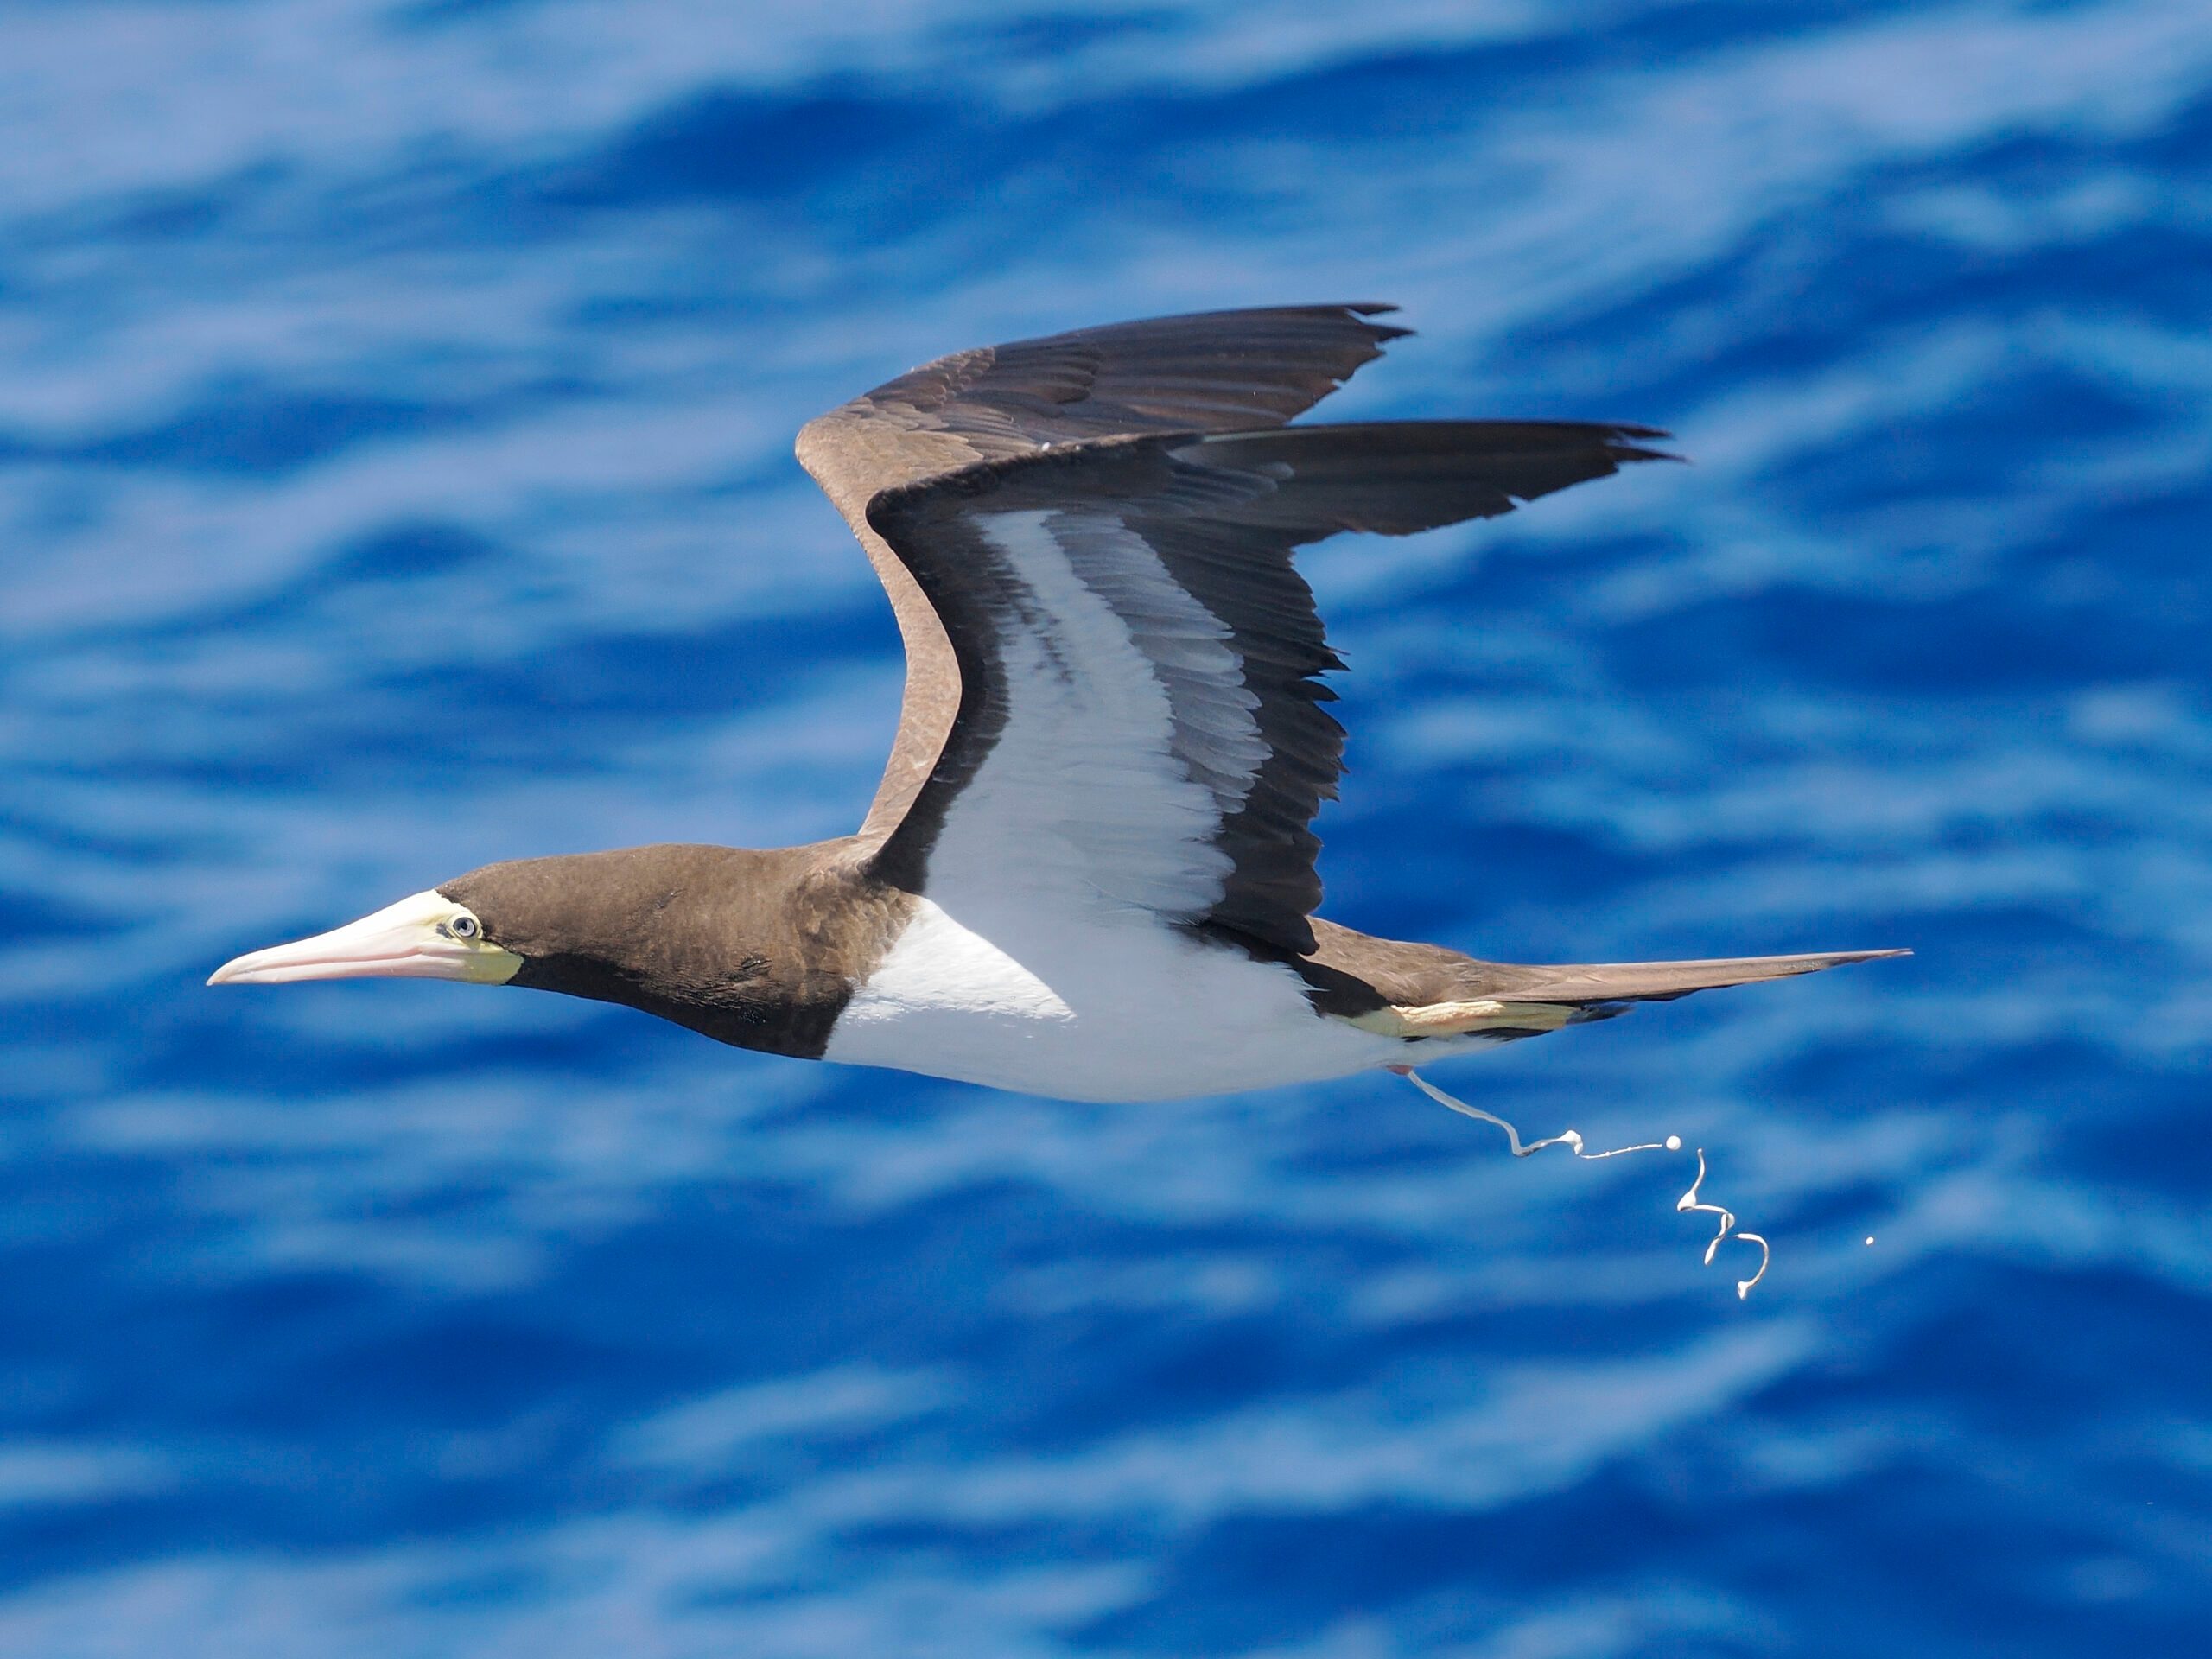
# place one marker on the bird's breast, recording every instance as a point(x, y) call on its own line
point(1113, 1007)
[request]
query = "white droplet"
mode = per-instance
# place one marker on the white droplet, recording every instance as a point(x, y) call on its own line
point(1870, 1238)
point(1674, 1143)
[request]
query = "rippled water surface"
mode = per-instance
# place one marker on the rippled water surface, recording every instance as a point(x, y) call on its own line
point(395, 416)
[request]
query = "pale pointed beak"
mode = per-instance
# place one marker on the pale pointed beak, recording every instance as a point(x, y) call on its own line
point(411, 939)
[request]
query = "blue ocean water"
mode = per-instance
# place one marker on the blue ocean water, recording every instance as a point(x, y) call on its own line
point(395, 411)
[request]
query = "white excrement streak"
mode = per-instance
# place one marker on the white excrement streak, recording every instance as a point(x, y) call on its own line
point(1689, 1203)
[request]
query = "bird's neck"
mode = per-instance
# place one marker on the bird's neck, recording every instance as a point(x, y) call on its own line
point(757, 948)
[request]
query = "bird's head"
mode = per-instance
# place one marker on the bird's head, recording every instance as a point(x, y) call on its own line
point(427, 935)
point(720, 939)
point(598, 924)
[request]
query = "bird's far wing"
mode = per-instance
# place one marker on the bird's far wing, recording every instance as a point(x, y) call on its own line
point(1214, 371)
point(1138, 722)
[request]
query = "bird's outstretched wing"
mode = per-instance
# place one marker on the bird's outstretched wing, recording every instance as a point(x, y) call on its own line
point(1136, 722)
point(1215, 372)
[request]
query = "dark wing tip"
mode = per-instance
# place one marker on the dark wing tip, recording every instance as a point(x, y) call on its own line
point(1379, 330)
point(1356, 312)
point(1625, 441)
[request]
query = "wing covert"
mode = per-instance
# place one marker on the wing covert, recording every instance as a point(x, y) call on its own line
point(1209, 371)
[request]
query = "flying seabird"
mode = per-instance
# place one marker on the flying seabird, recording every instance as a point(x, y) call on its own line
point(1089, 869)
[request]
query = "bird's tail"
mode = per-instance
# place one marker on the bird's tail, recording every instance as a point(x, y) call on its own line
point(1524, 1000)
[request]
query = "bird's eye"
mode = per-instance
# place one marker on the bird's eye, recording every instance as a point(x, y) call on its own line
point(465, 927)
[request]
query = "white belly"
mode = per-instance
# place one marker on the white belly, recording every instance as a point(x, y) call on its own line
point(1106, 1009)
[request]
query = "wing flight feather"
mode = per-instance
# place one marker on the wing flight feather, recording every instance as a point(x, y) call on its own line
point(1140, 712)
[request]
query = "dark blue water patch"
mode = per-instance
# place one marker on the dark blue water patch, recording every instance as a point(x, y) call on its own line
point(2037, 162)
point(121, 836)
point(2058, 1081)
point(631, 675)
point(359, 750)
point(721, 1263)
point(1498, 867)
point(2179, 147)
point(1866, 1561)
point(391, 564)
point(2099, 1340)
point(2166, 1145)
point(1028, 39)
point(480, 1367)
point(1991, 947)
point(1131, 1372)
point(27, 914)
point(2004, 944)
point(374, 1395)
point(317, 757)
point(246, 775)
point(55, 1541)
point(1253, 1581)
point(1854, 1588)
point(189, 214)
point(743, 146)
point(1873, 1072)
point(885, 160)
point(223, 1034)
point(570, 701)
point(1389, 93)
point(2140, 273)
point(405, 552)
point(1969, 446)
point(2155, 543)
point(884, 145)
point(1517, 587)
point(1806, 294)
point(1834, 1214)
point(246, 428)
point(1973, 642)
point(54, 1220)
point(95, 1302)
point(201, 214)
point(657, 308)
point(602, 1043)
point(43, 1029)
point(431, 16)
point(524, 1031)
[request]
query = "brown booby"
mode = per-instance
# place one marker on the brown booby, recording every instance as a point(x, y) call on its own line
point(1088, 870)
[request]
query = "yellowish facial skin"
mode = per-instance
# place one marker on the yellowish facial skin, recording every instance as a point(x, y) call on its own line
point(424, 936)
